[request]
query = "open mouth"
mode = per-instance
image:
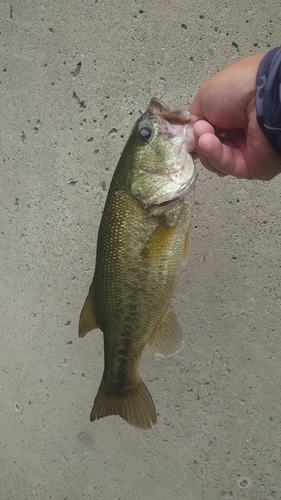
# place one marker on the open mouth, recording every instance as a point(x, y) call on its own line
point(176, 197)
point(168, 202)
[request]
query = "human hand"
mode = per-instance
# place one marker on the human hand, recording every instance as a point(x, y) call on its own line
point(229, 140)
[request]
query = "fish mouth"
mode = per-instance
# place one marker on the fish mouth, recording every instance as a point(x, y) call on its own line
point(172, 123)
point(177, 196)
point(160, 110)
point(158, 190)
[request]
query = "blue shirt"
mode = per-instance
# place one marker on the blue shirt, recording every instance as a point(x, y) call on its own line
point(268, 97)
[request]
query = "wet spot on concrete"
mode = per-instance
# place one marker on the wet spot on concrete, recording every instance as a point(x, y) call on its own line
point(244, 482)
point(85, 439)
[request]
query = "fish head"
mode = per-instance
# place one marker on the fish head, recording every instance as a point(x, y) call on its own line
point(162, 168)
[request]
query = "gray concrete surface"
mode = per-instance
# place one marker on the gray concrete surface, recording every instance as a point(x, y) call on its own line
point(74, 76)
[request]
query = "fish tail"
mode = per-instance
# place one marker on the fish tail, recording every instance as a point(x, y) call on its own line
point(134, 404)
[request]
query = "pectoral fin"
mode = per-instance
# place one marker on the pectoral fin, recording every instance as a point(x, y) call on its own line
point(186, 247)
point(158, 244)
point(87, 321)
point(167, 338)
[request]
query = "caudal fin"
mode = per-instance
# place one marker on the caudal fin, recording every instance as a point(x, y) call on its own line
point(135, 405)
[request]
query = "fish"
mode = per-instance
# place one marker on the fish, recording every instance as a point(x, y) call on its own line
point(143, 240)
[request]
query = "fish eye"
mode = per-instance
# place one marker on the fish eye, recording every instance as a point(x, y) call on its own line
point(146, 134)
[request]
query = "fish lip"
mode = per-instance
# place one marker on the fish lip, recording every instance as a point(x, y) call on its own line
point(160, 111)
point(177, 196)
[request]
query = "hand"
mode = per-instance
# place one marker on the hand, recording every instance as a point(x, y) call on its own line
point(229, 140)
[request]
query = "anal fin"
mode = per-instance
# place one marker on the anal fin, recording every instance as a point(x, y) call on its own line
point(87, 321)
point(167, 337)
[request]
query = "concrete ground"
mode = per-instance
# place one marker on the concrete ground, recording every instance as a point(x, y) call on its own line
point(74, 76)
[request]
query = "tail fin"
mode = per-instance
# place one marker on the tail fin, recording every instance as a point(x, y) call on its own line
point(134, 405)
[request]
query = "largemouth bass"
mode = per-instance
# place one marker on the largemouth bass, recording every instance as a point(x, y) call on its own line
point(143, 240)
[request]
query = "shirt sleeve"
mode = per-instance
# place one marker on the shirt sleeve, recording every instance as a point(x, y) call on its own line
point(268, 97)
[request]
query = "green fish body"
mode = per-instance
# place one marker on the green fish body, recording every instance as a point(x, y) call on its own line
point(142, 243)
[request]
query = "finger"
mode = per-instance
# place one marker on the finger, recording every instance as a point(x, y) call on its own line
point(205, 162)
point(223, 157)
point(202, 127)
point(199, 128)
